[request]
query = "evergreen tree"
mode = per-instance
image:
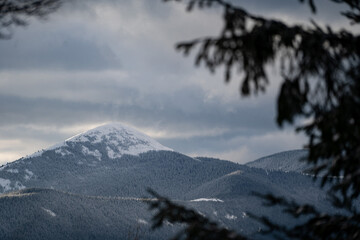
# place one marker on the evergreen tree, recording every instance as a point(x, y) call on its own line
point(15, 13)
point(320, 70)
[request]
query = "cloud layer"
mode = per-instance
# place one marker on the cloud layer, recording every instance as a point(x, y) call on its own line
point(99, 61)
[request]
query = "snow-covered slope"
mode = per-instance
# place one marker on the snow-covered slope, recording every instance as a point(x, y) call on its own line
point(85, 159)
point(118, 138)
point(288, 161)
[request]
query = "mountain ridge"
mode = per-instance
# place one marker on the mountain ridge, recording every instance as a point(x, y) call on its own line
point(121, 139)
point(78, 190)
point(286, 161)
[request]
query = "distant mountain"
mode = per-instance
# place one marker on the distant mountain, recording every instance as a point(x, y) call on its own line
point(70, 162)
point(88, 187)
point(117, 139)
point(288, 161)
point(35, 214)
point(111, 160)
point(51, 214)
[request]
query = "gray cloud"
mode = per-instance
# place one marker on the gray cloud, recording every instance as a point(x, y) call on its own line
point(99, 61)
point(183, 109)
point(186, 121)
point(61, 51)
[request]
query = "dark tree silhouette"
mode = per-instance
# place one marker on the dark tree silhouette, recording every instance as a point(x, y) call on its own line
point(198, 226)
point(320, 69)
point(17, 12)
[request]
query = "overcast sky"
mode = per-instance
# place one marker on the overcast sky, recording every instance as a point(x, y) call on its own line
point(94, 62)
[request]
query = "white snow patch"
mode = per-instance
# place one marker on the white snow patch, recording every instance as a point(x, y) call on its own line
point(40, 152)
point(166, 222)
point(120, 137)
point(12, 171)
point(51, 213)
point(5, 183)
point(111, 153)
point(29, 174)
point(202, 214)
point(62, 152)
point(19, 186)
point(207, 200)
point(95, 153)
point(238, 172)
point(142, 221)
point(230, 217)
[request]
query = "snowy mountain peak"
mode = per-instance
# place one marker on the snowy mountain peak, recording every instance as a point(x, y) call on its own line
point(116, 138)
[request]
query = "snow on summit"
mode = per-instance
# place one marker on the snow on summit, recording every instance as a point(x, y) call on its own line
point(74, 160)
point(117, 138)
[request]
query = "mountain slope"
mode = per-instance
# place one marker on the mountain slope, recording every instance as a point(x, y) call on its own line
point(41, 214)
point(172, 172)
point(235, 191)
point(118, 139)
point(88, 186)
point(134, 163)
point(288, 161)
point(51, 214)
point(75, 158)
